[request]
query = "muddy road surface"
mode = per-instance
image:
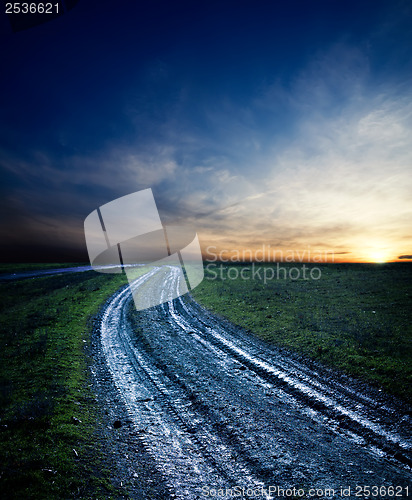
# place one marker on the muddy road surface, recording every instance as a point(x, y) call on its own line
point(197, 408)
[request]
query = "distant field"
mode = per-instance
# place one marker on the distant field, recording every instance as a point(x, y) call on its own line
point(48, 416)
point(355, 317)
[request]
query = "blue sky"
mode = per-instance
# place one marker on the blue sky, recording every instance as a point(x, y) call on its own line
point(262, 123)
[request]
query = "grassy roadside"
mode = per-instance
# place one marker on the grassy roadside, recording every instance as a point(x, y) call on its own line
point(48, 443)
point(355, 317)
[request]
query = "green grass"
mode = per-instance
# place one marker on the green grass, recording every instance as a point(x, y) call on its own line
point(44, 383)
point(356, 317)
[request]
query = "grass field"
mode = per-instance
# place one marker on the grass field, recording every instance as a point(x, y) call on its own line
point(48, 446)
point(356, 317)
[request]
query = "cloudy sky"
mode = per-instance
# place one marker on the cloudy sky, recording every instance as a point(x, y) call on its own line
point(264, 123)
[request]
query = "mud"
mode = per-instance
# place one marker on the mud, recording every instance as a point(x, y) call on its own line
point(206, 409)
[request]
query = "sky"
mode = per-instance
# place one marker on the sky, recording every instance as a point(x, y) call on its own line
point(269, 124)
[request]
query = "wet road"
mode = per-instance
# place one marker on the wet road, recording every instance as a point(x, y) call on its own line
point(38, 273)
point(216, 410)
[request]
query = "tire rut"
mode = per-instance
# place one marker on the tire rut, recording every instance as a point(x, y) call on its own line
point(215, 408)
point(341, 405)
point(160, 410)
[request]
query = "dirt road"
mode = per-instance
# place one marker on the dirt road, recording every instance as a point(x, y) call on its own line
point(204, 409)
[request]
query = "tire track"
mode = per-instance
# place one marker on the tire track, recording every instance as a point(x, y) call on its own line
point(214, 407)
point(182, 453)
point(343, 406)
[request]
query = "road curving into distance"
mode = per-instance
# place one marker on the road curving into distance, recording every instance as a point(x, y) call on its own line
point(41, 273)
point(211, 410)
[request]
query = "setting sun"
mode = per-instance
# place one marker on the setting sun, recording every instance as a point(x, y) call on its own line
point(378, 256)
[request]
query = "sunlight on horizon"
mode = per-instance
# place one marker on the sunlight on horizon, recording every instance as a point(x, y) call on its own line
point(379, 257)
point(217, 251)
